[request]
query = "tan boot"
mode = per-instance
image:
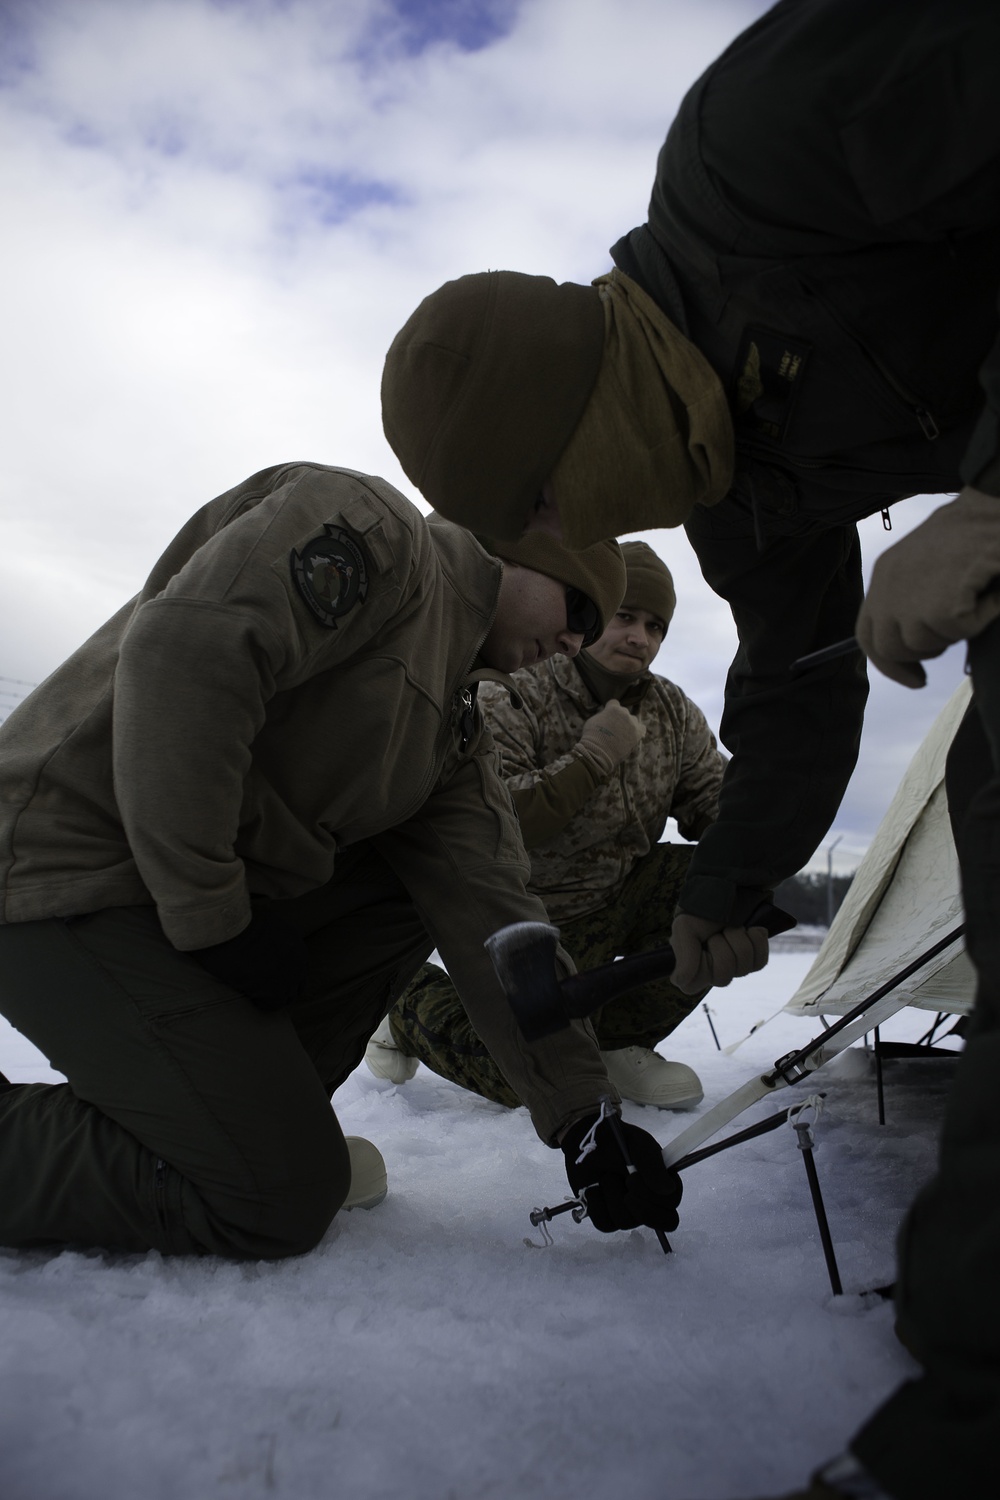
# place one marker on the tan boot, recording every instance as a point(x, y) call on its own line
point(369, 1183)
point(642, 1075)
point(386, 1060)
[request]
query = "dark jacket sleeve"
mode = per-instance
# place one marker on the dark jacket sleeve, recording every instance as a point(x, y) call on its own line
point(981, 463)
point(695, 802)
point(462, 853)
point(794, 739)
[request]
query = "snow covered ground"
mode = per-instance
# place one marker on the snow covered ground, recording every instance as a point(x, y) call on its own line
point(433, 1350)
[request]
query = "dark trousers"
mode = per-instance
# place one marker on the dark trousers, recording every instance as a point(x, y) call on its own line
point(192, 1121)
point(937, 1435)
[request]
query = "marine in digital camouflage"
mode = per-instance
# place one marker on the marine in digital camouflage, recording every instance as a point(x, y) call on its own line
point(607, 882)
point(429, 1020)
point(675, 772)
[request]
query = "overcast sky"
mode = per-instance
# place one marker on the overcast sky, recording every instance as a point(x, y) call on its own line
point(217, 213)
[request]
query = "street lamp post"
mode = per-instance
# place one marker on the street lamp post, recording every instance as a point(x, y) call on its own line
point(829, 880)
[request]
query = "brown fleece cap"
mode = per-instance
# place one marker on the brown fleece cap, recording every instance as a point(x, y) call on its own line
point(483, 387)
point(599, 571)
point(649, 584)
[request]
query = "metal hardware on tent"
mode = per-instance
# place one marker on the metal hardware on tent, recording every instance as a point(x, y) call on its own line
point(576, 1206)
point(759, 1087)
point(789, 1069)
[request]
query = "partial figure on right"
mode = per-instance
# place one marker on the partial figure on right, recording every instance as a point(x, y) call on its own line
point(597, 753)
point(803, 332)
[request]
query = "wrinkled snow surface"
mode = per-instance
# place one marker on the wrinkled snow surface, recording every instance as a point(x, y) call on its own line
point(429, 1350)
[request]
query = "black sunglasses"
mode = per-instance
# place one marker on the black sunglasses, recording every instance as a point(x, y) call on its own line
point(582, 615)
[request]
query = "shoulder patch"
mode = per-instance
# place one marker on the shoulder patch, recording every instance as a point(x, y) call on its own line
point(331, 574)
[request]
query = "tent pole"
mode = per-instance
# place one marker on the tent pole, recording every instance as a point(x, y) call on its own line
point(879, 1087)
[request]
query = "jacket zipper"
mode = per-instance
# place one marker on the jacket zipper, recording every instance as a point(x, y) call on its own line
point(928, 425)
point(468, 694)
point(467, 722)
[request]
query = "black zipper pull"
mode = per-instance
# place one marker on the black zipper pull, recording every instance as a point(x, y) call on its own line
point(467, 721)
point(930, 428)
point(886, 520)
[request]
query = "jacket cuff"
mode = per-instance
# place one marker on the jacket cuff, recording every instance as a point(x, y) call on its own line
point(719, 900)
point(981, 464)
point(597, 759)
point(201, 928)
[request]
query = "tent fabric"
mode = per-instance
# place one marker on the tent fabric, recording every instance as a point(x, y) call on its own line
point(905, 896)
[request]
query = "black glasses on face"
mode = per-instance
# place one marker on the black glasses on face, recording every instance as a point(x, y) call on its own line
point(582, 617)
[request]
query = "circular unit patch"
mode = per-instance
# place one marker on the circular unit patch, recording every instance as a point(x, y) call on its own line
point(331, 574)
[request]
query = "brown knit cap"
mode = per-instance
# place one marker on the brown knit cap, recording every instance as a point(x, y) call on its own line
point(483, 387)
point(649, 584)
point(598, 571)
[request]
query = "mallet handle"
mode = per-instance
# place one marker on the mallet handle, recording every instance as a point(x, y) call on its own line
point(584, 993)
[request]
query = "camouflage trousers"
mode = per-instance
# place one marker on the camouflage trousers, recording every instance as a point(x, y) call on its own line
point(428, 1020)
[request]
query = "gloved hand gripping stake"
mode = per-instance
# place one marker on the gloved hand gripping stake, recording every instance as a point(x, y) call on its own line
point(524, 958)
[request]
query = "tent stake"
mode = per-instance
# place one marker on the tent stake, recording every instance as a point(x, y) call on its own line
point(708, 1018)
point(879, 1086)
point(804, 1137)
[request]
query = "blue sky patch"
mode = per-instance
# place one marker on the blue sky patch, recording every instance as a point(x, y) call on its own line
point(333, 197)
point(17, 46)
point(471, 24)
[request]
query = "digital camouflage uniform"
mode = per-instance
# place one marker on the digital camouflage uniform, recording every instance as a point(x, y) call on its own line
point(592, 839)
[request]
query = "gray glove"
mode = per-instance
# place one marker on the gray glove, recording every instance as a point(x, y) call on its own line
point(938, 585)
point(611, 734)
point(709, 953)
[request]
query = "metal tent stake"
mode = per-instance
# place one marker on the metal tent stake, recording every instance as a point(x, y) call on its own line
point(879, 1083)
point(804, 1139)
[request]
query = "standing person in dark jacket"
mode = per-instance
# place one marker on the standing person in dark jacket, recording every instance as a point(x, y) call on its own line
point(791, 342)
point(802, 333)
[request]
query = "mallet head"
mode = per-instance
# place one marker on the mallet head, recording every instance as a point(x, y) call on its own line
point(524, 957)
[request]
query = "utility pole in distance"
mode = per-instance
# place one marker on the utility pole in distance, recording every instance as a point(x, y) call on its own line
point(829, 880)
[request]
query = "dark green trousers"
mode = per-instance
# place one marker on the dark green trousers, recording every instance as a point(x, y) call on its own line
point(429, 1021)
point(192, 1121)
point(936, 1437)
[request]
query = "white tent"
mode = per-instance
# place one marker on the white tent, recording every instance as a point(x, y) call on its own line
point(904, 898)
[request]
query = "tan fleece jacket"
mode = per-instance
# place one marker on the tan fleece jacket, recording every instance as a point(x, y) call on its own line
point(293, 678)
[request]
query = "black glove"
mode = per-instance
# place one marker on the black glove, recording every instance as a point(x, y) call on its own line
point(618, 1198)
point(266, 962)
